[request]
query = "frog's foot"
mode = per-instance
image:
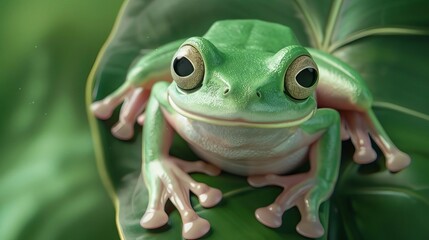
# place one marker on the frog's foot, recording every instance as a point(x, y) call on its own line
point(359, 134)
point(300, 190)
point(132, 107)
point(396, 160)
point(103, 109)
point(360, 125)
point(169, 179)
point(134, 101)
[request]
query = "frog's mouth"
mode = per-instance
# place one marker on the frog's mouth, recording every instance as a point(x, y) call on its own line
point(238, 122)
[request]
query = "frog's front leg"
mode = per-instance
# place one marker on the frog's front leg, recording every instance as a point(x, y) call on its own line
point(134, 99)
point(132, 107)
point(307, 190)
point(166, 177)
point(135, 91)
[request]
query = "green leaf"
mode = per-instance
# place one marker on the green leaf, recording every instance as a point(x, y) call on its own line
point(386, 41)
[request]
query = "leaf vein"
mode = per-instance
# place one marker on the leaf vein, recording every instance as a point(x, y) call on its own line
point(379, 32)
point(401, 109)
point(396, 190)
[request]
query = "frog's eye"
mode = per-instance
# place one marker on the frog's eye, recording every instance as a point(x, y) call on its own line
point(301, 78)
point(187, 68)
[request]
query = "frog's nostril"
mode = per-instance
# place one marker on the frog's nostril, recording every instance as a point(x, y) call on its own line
point(258, 93)
point(226, 91)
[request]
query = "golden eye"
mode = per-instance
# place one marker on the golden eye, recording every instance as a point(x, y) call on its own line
point(301, 78)
point(187, 68)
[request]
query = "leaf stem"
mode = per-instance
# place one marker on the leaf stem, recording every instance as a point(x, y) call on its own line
point(333, 15)
point(314, 32)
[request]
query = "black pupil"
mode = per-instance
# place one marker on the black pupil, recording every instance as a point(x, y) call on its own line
point(183, 67)
point(307, 77)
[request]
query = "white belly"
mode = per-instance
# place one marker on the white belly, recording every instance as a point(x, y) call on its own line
point(245, 150)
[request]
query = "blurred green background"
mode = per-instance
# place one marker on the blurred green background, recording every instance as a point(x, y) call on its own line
point(50, 188)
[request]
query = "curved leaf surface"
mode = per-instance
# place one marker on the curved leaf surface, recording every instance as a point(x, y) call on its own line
point(386, 41)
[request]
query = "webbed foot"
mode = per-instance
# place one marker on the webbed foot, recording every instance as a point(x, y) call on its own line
point(301, 190)
point(134, 101)
point(359, 135)
point(362, 124)
point(168, 179)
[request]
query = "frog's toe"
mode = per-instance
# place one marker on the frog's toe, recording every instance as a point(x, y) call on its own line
point(311, 229)
point(270, 216)
point(154, 219)
point(203, 167)
point(364, 155)
point(123, 130)
point(101, 110)
point(207, 196)
point(195, 228)
point(140, 119)
point(344, 135)
point(397, 161)
point(210, 198)
point(197, 166)
point(263, 180)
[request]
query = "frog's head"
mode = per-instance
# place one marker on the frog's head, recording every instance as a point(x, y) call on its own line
point(238, 82)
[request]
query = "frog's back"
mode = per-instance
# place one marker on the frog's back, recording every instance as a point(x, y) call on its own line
point(251, 35)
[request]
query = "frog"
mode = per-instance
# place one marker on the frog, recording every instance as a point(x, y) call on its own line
point(249, 100)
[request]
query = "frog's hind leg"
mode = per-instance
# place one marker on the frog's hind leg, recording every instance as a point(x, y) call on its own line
point(362, 124)
point(132, 107)
point(396, 160)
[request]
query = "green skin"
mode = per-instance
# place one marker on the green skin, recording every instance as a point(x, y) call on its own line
point(242, 94)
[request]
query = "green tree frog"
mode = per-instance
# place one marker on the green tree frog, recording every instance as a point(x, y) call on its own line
point(249, 100)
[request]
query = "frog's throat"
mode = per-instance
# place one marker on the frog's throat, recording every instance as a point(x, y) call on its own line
point(241, 123)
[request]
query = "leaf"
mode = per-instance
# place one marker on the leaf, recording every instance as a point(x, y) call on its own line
point(386, 41)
